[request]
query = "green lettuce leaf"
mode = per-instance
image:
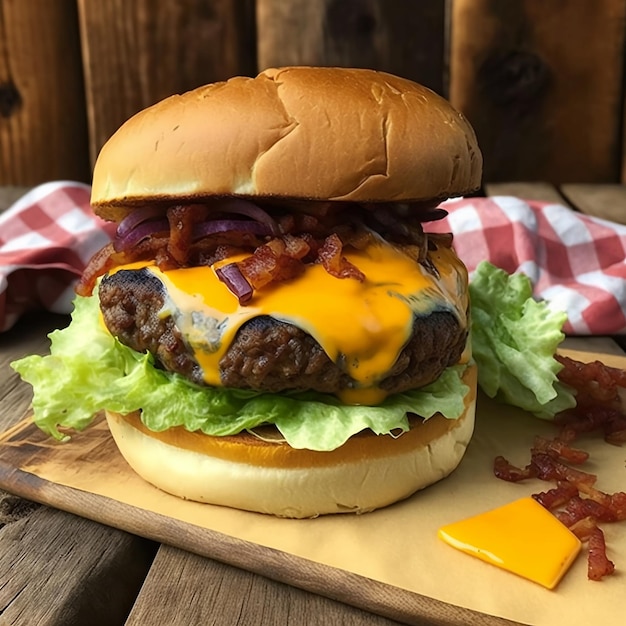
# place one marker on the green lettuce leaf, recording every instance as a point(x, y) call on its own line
point(88, 370)
point(514, 340)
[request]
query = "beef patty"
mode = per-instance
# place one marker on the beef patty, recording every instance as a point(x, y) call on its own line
point(267, 354)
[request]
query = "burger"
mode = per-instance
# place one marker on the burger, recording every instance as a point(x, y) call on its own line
point(272, 262)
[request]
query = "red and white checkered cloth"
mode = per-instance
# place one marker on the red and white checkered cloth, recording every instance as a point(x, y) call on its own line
point(46, 239)
point(575, 262)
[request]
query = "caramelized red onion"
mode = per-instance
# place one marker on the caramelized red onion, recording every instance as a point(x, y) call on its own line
point(147, 221)
point(251, 210)
point(141, 231)
point(222, 226)
point(138, 216)
point(232, 277)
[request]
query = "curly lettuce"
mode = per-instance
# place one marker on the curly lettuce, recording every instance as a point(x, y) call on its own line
point(514, 340)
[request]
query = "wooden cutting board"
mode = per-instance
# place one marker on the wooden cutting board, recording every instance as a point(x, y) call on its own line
point(388, 562)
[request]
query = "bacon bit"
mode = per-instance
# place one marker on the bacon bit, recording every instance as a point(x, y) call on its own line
point(600, 381)
point(331, 257)
point(577, 508)
point(584, 527)
point(277, 260)
point(588, 419)
point(546, 467)
point(295, 247)
point(509, 472)
point(556, 497)
point(560, 449)
point(598, 401)
point(598, 564)
point(182, 219)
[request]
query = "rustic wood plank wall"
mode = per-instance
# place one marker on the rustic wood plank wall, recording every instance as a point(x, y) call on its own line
point(43, 128)
point(542, 82)
point(138, 52)
point(405, 38)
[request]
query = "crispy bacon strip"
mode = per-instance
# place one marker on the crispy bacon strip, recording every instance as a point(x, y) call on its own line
point(509, 472)
point(331, 257)
point(107, 258)
point(556, 497)
point(559, 449)
point(100, 263)
point(277, 260)
point(182, 219)
point(598, 564)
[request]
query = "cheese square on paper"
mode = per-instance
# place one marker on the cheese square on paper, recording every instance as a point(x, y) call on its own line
point(521, 537)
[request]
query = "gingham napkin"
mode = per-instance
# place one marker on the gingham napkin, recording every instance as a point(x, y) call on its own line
point(46, 239)
point(575, 262)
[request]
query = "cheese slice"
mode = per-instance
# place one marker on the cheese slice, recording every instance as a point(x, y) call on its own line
point(521, 537)
point(362, 326)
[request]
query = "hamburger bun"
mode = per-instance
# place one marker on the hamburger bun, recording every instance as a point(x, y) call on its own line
point(295, 132)
point(271, 246)
point(258, 472)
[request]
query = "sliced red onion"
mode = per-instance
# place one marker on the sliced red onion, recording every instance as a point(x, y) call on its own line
point(222, 226)
point(232, 277)
point(138, 216)
point(140, 232)
point(249, 209)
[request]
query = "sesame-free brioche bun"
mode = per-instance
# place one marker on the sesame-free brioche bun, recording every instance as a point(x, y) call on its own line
point(266, 475)
point(296, 132)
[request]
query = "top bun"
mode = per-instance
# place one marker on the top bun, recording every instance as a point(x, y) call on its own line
point(311, 133)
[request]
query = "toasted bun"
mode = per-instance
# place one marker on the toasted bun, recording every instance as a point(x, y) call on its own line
point(297, 132)
point(246, 472)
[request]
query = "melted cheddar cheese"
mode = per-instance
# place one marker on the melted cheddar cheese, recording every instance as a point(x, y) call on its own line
point(362, 326)
point(521, 537)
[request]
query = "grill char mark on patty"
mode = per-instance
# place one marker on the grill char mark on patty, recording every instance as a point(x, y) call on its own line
point(267, 354)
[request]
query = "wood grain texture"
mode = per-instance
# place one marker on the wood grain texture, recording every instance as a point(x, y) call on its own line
point(9, 194)
point(605, 201)
point(43, 128)
point(242, 597)
point(136, 53)
point(543, 192)
point(542, 84)
point(59, 569)
point(405, 38)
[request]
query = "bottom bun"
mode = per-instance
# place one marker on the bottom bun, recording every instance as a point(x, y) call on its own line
point(259, 472)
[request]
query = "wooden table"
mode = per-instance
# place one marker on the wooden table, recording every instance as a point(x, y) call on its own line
point(61, 569)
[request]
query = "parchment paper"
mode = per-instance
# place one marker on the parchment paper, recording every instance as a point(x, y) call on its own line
point(397, 545)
